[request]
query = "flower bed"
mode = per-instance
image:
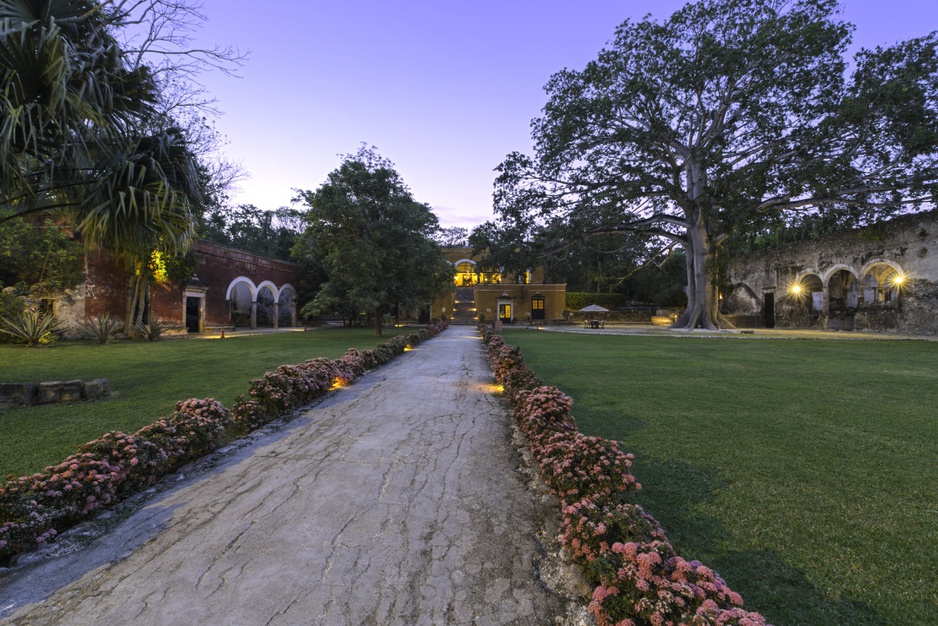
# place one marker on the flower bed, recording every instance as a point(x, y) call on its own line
point(34, 509)
point(637, 576)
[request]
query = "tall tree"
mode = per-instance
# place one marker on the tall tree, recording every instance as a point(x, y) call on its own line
point(719, 120)
point(87, 128)
point(375, 241)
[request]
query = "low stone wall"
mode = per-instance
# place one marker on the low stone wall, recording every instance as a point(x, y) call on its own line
point(53, 391)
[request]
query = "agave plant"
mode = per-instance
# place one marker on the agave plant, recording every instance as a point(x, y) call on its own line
point(102, 328)
point(151, 331)
point(31, 328)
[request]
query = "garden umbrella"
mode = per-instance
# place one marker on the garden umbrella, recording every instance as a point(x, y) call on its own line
point(593, 308)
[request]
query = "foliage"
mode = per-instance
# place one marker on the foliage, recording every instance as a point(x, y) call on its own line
point(638, 577)
point(454, 237)
point(31, 327)
point(151, 330)
point(724, 119)
point(246, 227)
point(102, 328)
point(576, 300)
point(35, 509)
point(43, 255)
point(373, 239)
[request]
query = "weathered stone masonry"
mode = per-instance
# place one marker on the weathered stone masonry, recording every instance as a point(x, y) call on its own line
point(880, 278)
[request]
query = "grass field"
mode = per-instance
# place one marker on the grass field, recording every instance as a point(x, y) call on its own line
point(804, 472)
point(149, 378)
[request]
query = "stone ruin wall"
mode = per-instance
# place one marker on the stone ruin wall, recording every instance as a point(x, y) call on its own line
point(907, 243)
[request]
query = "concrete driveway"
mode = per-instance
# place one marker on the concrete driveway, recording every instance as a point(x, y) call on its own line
point(396, 500)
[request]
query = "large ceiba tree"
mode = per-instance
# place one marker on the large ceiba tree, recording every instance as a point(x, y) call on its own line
point(726, 114)
point(374, 240)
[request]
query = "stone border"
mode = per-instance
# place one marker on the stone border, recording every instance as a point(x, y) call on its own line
point(53, 392)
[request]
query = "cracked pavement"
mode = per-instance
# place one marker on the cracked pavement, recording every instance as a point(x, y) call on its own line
point(396, 500)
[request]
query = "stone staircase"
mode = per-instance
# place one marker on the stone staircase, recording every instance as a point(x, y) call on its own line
point(464, 311)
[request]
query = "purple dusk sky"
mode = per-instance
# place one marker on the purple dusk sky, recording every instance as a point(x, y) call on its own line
point(443, 88)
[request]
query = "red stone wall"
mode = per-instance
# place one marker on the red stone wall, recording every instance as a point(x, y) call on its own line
point(106, 284)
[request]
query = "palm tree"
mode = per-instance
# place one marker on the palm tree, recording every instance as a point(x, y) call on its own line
point(81, 134)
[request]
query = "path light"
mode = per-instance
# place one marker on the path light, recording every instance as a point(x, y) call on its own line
point(407, 348)
point(336, 384)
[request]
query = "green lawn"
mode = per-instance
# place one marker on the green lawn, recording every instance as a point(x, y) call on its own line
point(804, 472)
point(149, 378)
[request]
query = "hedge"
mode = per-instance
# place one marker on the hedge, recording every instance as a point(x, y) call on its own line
point(576, 300)
point(637, 576)
point(34, 509)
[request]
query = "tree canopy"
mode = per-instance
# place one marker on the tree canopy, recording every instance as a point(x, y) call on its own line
point(374, 240)
point(100, 124)
point(730, 116)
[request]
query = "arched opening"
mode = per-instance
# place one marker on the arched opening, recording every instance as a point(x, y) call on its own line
point(240, 299)
point(842, 299)
point(881, 284)
point(466, 274)
point(265, 306)
point(287, 306)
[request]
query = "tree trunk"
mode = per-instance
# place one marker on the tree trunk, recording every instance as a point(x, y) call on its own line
point(702, 292)
point(138, 298)
point(378, 328)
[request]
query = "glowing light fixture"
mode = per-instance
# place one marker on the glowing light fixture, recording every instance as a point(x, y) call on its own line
point(898, 280)
point(796, 289)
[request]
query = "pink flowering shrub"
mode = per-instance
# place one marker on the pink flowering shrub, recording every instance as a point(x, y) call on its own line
point(639, 579)
point(33, 509)
point(577, 466)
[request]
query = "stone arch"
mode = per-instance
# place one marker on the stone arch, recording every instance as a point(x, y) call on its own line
point(252, 288)
point(842, 297)
point(880, 281)
point(466, 273)
point(808, 287)
point(286, 306)
point(265, 301)
point(240, 296)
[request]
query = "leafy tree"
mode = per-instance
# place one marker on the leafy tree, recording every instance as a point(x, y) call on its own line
point(89, 125)
point(374, 240)
point(44, 257)
point(246, 227)
point(453, 237)
point(720, 120)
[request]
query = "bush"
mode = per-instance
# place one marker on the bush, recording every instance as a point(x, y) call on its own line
point(102, 328)
point(33, 509)
point(624, 553)
point(31, 328)
point(576, 300)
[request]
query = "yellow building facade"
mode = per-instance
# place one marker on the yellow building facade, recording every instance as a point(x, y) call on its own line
point(486, 294)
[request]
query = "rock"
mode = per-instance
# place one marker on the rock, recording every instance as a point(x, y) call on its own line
point(96, 389)
point(71, 391)
point(18, 393)
point(50, 391)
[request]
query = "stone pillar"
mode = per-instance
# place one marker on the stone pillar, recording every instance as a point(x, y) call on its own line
point(253, 314)
point(276, 315)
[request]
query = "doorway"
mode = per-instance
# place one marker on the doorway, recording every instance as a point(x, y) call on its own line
point(768, 310)
point(193, 314)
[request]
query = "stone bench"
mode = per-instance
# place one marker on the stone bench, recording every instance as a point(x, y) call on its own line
point(53, 391)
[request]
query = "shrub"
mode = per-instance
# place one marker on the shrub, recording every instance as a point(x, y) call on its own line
point(33, 509)
point(103, 328)
point(623, 551)
point(31, 328)
point(152, 330)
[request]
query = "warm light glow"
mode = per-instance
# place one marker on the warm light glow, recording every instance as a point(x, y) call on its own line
point(407, 348)
point(898, 280)
point(336, 384)
point(796, 289)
